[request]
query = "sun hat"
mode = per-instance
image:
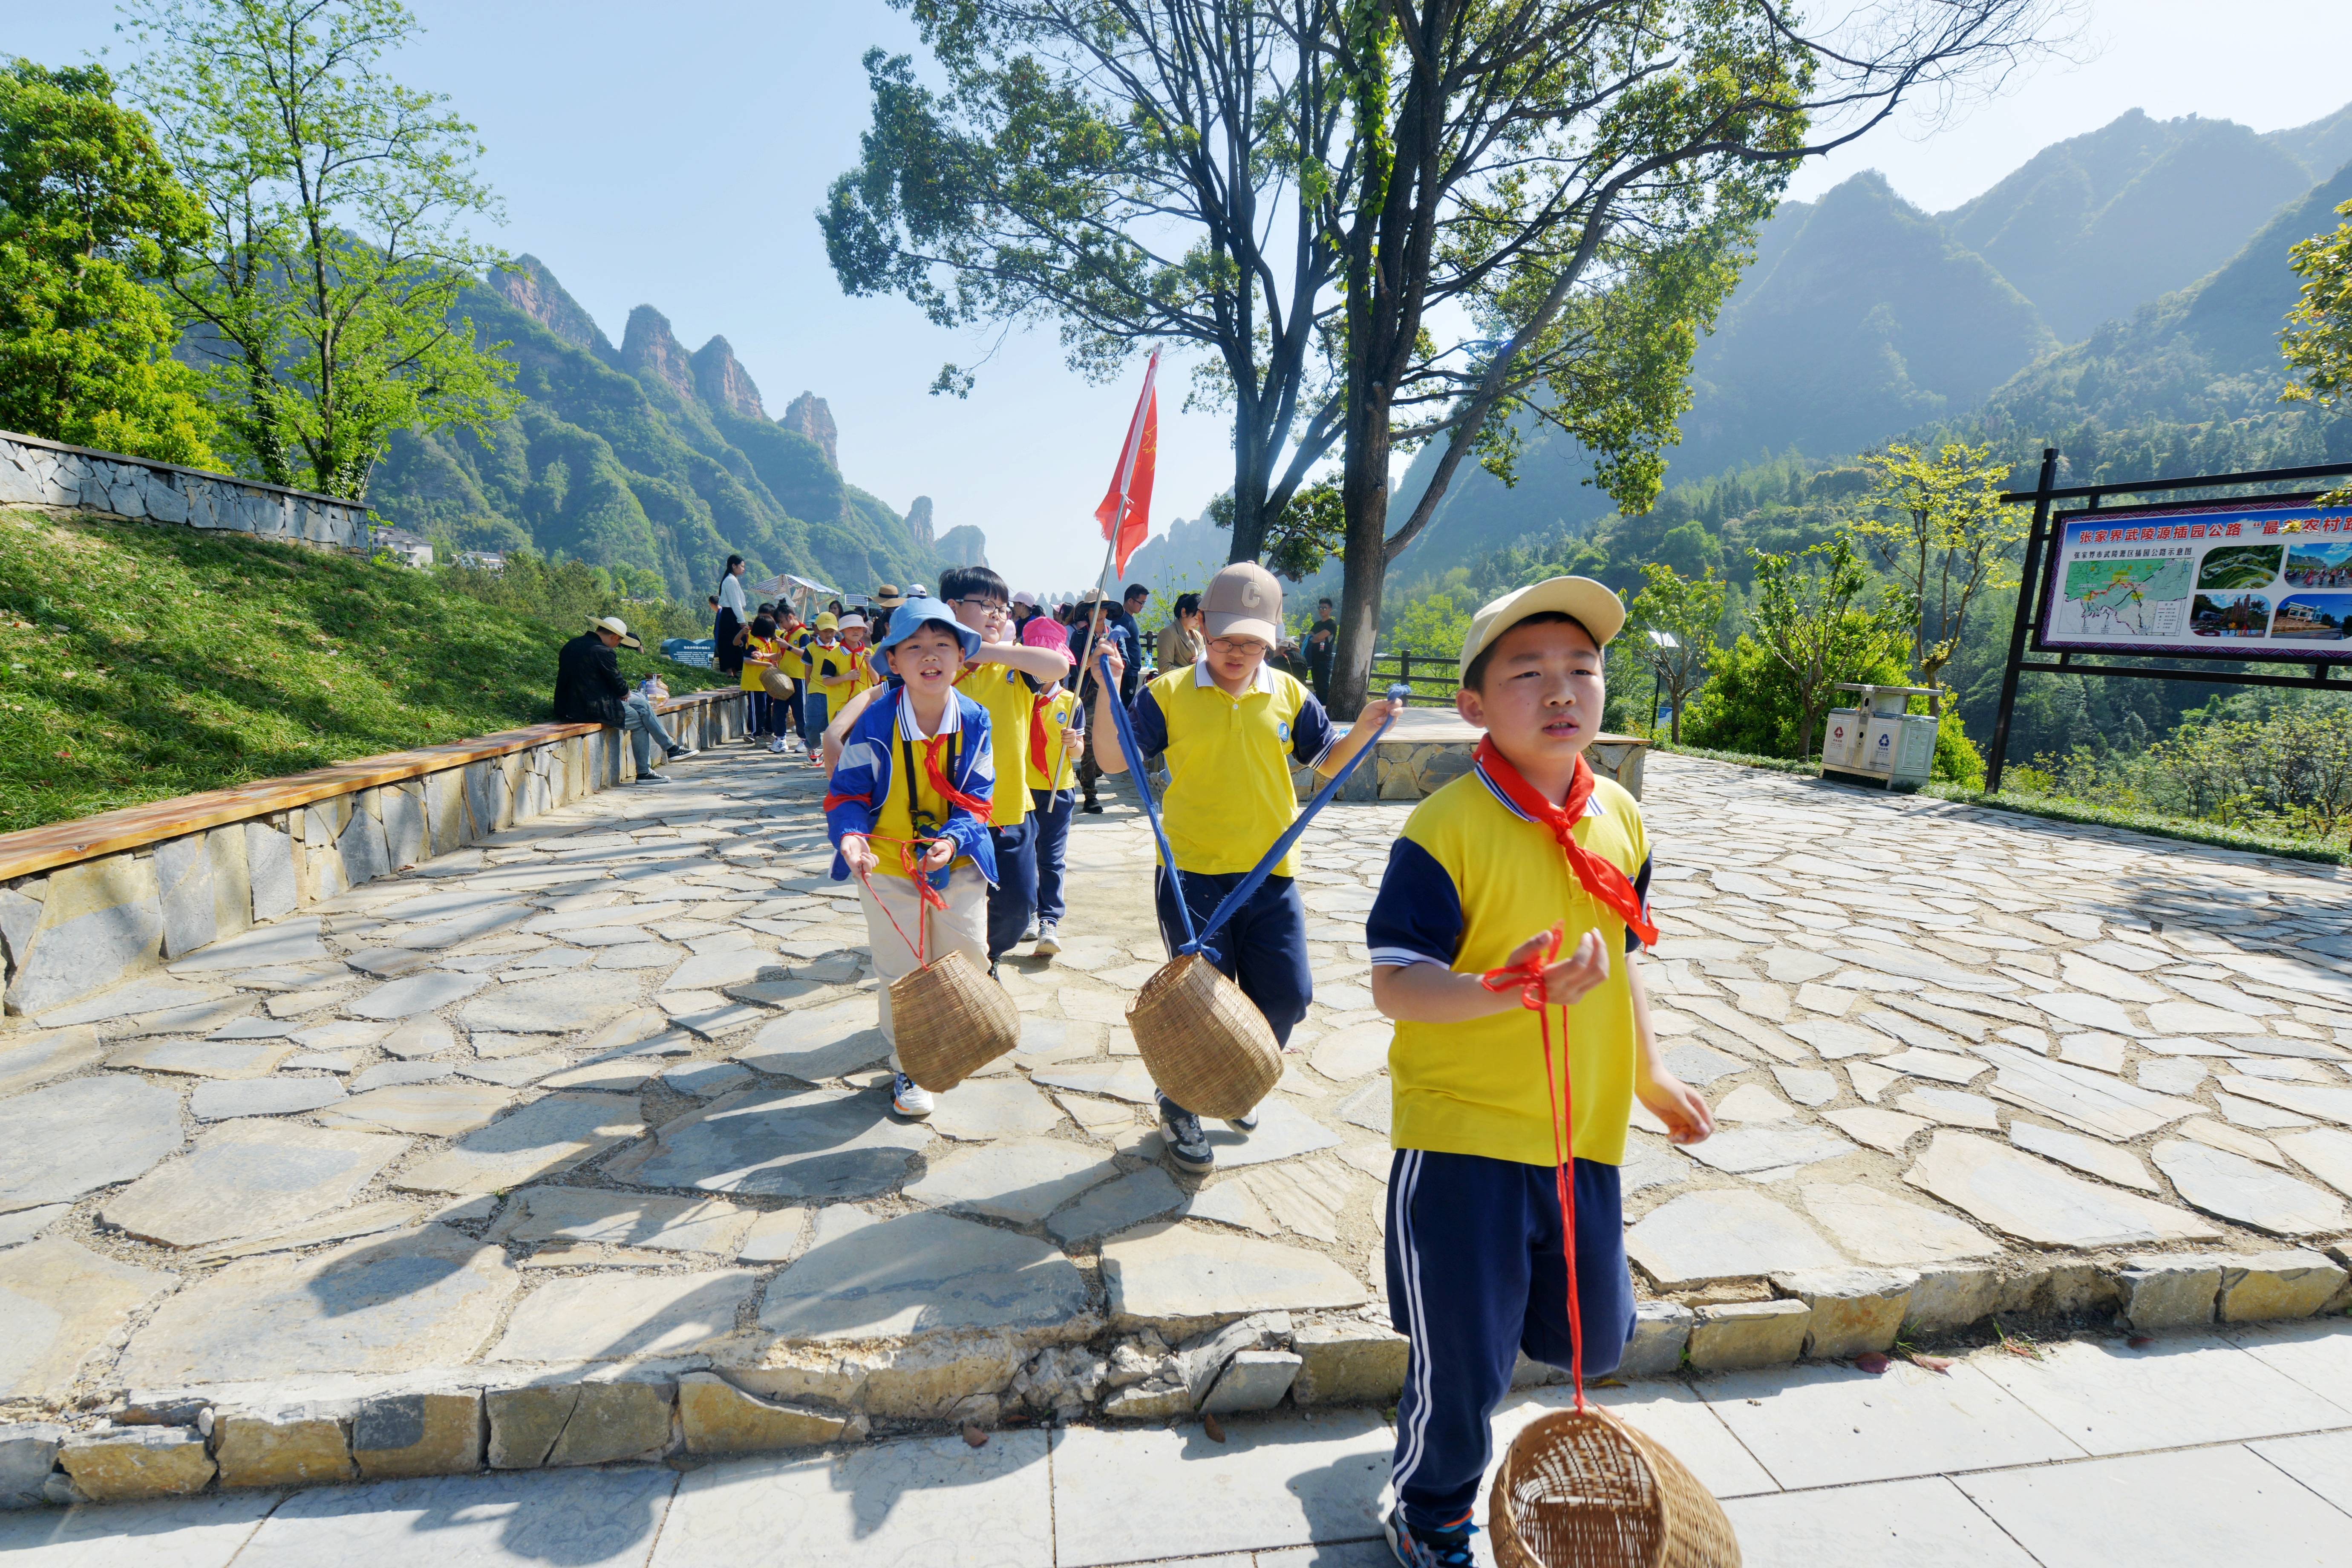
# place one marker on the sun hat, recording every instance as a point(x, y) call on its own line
point(852, 622)
point(1044, 631)
point(616, 625)
point(915, 614)
point(1594, 605)
point(1025, 597)
point(826, 622)
point(1244, 601)
point(887, 597)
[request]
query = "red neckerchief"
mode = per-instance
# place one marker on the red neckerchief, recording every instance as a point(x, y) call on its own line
point(1603, 880)
point(934, 770)
point(1037, 728)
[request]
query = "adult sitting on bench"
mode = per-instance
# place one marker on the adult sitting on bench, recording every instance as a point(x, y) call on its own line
point(589, 691)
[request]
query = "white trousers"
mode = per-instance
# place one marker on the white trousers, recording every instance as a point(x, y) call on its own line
point(961, 927)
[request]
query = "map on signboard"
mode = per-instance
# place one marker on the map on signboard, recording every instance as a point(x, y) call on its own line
point(2139, 598)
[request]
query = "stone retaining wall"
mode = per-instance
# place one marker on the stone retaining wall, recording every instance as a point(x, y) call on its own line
point(305, 1432)
point(34, 472)
point(87, 905)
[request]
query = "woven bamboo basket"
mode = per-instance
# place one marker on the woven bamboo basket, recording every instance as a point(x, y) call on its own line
point(1583, 1490)
point(777, 684)
point(951, 1020)
point(1205, 1045)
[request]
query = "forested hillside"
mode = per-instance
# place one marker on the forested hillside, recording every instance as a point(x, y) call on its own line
point(2157, 250)
point(644, 456)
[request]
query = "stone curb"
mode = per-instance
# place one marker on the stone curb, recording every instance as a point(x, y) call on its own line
point(166, 1443)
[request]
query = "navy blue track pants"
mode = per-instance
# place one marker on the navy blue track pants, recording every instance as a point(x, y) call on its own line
point(1475, 1276)
point(1053, 820)
point(1014, 900)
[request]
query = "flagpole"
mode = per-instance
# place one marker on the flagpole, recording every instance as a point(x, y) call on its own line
point(1128, 456)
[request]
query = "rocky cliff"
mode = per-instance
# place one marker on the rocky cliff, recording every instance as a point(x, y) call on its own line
point(644, 456)
point(808, 415)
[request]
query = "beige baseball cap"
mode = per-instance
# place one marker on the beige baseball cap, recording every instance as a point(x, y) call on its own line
point(1595, 607)
point(1244, 601)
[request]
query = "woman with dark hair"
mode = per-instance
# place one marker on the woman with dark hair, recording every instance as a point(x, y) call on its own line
point(726, 655)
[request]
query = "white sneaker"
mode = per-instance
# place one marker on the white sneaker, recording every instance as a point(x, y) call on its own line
point(777, 745)
point(1048, 944)
point(909, 1098)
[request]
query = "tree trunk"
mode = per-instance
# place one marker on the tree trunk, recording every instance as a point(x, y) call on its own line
point(1364, 494)
point(1251, 481)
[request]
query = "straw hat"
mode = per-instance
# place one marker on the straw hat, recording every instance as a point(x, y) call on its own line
point(617, 627)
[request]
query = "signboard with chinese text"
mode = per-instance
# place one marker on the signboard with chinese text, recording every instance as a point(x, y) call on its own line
point(2256, 581)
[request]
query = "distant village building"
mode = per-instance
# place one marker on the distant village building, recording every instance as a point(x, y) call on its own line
point(414, 550)
point(482, 560)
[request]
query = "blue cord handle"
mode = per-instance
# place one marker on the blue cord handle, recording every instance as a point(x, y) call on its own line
point(1197, 940)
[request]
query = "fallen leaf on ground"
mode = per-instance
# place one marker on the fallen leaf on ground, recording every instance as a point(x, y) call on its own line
point(973, 1435)
point(1870, 1362)
point(1933, 1363)
point(1213, 1427)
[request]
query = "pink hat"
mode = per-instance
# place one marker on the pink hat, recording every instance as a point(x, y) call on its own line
point(1044, 631)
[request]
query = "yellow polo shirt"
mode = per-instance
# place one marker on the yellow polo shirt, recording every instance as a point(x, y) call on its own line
point(895, 820)
point(1470, 879)
point(861, 665)
point(789, 657)
point(1229, 759)
point(1008, 697)
point(1061, 769)
point(824, 662)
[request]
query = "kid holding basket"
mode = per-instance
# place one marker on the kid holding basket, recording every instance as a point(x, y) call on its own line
point(1519, 887)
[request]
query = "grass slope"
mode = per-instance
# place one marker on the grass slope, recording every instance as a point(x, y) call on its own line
point(140, 662)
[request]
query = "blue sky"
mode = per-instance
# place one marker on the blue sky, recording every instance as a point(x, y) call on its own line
point(675, 154)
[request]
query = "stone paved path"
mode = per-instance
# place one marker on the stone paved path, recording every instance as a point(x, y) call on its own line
point(2189, 1451)
point(608, 1089)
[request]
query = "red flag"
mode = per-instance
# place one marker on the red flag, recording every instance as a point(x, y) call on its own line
point(1126, 510)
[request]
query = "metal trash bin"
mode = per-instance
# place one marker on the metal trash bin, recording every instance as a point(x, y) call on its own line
point(1882, 745)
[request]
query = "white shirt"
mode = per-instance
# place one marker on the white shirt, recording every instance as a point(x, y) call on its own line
point(731, 597)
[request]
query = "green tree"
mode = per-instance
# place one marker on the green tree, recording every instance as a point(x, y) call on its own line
point(1670, 626)
point(325, 299)
point(88, 207)
point(1310, 528)
point(1134, 170)
point(1810, 620)
point(1938, 527)
point(2318, 337)
point(1581, 178)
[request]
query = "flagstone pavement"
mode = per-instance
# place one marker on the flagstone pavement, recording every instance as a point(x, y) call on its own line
point(2192, 1449)
point(608, 1089)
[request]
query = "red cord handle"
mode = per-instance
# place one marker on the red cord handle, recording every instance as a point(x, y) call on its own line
point(927, 897)
point(1529, 979)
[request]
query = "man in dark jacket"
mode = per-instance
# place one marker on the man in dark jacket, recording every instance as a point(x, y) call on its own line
point(589, 691)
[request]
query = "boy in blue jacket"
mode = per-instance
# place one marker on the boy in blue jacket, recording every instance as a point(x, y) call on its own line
point(907, 811)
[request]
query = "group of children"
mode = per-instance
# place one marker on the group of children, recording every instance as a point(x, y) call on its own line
point(1510, 893)
point(825, 660)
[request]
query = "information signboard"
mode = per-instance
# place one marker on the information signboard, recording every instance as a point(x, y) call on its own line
point(2208, 581)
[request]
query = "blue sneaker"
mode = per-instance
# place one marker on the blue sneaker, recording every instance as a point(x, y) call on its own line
point(1430, 1548)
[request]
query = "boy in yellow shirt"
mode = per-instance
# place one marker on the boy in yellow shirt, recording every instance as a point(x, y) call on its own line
point(1530, 866)
point(1233, 728)
point(1054, 750)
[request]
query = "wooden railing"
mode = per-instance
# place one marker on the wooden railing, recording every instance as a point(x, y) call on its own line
point(1437, 686)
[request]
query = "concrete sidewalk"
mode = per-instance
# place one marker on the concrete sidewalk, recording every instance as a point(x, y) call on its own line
point(2190, 1449)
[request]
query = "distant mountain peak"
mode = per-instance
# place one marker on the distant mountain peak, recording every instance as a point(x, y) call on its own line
point(650, 351)
point(808, 416)
point(723, 381)
point(527, 285)
point(918, 521)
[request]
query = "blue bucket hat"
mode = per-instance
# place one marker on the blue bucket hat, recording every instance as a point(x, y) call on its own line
point(912, 616)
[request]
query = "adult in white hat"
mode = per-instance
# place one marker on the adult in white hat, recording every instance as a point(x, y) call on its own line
point(589, 689)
